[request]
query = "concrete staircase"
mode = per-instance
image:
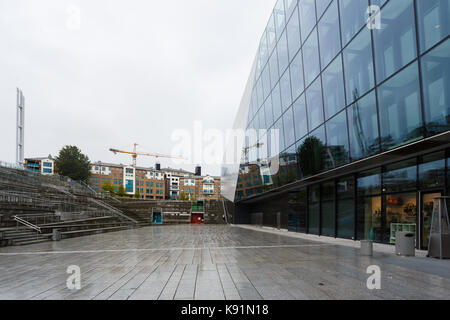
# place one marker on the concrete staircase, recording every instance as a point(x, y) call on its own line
point(20, 237)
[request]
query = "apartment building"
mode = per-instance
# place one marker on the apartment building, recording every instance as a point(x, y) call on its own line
point(173, 180)
point(45, 166)
point(148, 183)
point(206, 188)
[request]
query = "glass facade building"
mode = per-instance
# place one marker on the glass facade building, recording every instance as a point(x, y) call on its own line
point(363, 116)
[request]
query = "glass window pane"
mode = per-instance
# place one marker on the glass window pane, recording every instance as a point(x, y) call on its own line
point(279, 17)
point(314, 210)
point(333, 88)
point(432, 171)
point(285, 86)
point(307, 9)
point(266, 81)
point(400, 176)
point(358, 66)
point(276, 102)
point(311, 54)
point(337, 144)
point(322, 6)
point(400, 209)
point(369, 183)
point(434, 22)
point(346, 218)
point(328, 212)
point(296, 69)
point(400, 114)
point(314, 104)
point(353, 17)
point(436, 88)
point(289, 133)
point(269, 112)
point(329, 35)
point(282, 49)
point(259, 94)
point(369, 225)
point(279, 126)
point(271, 37)
point(311, 153)
point(293, 34)
point(363, 127)
point(290, 6)
point(395, 42)
point(273, 64)
point(300, 117)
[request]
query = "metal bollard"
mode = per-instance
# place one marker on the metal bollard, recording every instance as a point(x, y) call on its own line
point(366, 248)
point(56, 235)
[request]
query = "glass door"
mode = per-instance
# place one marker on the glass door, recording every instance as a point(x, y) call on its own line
point(427, 204)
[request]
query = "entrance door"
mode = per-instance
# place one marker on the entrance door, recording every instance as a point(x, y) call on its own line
point(427, 204)
point(157, 218)
point(197, 218)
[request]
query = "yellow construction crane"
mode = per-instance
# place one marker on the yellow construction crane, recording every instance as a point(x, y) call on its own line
point(134, 154)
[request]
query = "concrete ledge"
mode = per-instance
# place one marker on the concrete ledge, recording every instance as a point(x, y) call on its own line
point(377, 247)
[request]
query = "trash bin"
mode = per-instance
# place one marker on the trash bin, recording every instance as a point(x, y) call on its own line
point(366, 248)
point(56, 235)
point(405, 244)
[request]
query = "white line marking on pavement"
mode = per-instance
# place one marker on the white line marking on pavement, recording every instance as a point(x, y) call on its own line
point(158, 249)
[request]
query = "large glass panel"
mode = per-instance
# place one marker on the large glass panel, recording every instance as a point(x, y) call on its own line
point(296, 69)
point(293, 34)
point(273, 64)
point(285, 86)
point(400, 114)
point(400, 176)
point(314, 104)
point(329, 35)
point(266, 81)
point(395, 42)
point(312, 153)
point(307, 10)
point(299, 204)
point(269, 112)
point(328, 210)
point(369, 183)
point(363, 127)
point(434, 22)
point(259, 94)
point(346, 218)
point(333, 88)
point(353, 17)
point(401, 213)
point(263, 54)
point(311, 55)
point(321, 7)
point(290, 6)
point(279, 17)
point(358, 66)
point(279, 126)
point(432, 171)
point(276, 102)
point(289, 132)
point(369, 223)
point(271, 37)
point(337, 137)
point(314, 210)
point(300, 117)
point(436, 88)
point(282, 49)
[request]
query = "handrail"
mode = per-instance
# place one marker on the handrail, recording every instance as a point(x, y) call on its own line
point(27, 224)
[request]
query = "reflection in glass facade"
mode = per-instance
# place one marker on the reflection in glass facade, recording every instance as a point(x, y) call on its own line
point(342, 96)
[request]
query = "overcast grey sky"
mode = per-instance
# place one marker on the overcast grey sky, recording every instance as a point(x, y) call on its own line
point(132, 72)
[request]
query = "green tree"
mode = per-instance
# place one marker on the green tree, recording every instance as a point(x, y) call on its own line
point(183, 196)
point(107, 186)
point(137, 195)
point(71, 163)
point(121, 192)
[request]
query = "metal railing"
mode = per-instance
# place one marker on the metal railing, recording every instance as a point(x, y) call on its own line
point(27, 224)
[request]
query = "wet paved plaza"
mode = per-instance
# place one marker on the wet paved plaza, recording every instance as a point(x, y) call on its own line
point(212, 262)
